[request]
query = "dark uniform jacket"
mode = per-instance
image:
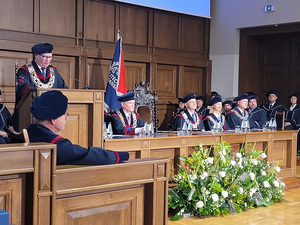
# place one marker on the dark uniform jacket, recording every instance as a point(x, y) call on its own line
point(211, 119)
point(258, 118)
point(120, 124)
point(70, 154)
point(5, 122)
point(202, 111)
point(293, 116)
point(271, 111)
point(184, 116)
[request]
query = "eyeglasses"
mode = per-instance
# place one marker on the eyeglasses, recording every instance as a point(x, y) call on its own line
point(67, 115)
point(47, 57)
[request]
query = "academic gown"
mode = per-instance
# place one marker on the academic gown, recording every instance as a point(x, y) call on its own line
point(277, 107)
point(234, 119)
point(5, 122)
point(258, 118)
point(70, 154)
point(211, 119)
point(293, 116)
point(120, 124)
point(185, 116)
point(202, 111)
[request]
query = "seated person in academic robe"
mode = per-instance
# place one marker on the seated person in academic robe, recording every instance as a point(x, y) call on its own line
point(227, 106)
point(189, 115)
point(125, 121)
point(201, 109)
point(292, 119)
point(212, 95)
point(272, 107)
point(5, 122)
point(175, 113)
point(238, 113)
point(258, 115)
point(50, 113)
point(39, 73)
point(215, 117)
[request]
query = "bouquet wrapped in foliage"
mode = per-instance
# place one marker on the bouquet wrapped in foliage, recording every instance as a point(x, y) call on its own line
point(225, 183)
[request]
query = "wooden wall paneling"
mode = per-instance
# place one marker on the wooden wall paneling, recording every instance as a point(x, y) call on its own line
point(66, 68)
point(166, 78)
point(17, 15)
point(166, 30)
point(58, 17)
point(134, 31)
point(99, 21)
point(192, 80)
point(134, 72)
point(193, 30)
point(295, 65)
point(164, 115)
point(97, 73)
point(10, 199)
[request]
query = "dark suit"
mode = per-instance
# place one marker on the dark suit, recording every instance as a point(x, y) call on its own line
point(184, 116)
point(69, 154)
point(258, 118)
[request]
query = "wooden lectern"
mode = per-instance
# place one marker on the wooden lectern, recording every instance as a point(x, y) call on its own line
point(85, 108)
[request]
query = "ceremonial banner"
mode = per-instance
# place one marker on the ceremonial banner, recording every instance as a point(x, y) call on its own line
point(116, 84)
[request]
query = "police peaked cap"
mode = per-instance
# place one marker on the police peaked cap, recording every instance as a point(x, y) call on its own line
point(49, 105)
point(241, 97)
point(126, 97)
point(215, 100)
point(295, 94)
point(272, 92)
point(42, 48)
point(229, 102)
point(189, 97)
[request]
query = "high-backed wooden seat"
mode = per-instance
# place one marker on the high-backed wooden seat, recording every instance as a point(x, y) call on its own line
point(282, 116)
point(18, 136)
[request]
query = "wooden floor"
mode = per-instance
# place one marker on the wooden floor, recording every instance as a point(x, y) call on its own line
point(284, 213)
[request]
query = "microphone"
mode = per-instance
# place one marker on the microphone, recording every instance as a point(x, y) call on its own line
point(74, 78)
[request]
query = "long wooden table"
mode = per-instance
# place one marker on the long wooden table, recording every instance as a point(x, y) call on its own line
point(36, 191)
point(280, 146)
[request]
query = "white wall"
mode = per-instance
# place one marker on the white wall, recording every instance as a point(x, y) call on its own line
point(227, 17)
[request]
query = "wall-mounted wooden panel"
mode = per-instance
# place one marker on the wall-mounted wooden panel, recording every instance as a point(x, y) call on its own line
point(164, 114)
point(165, 84)
point(66, 68)
point(191, 80)
point(97, 72)
point(193, 34)
point(58, 17)
point(134, 31)
point(99, 21)
point(166, 30)
point(16, 15)
point(134, 72)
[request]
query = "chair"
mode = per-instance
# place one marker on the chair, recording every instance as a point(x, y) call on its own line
point(282, 117)
point(146, 102)
point(18, 137)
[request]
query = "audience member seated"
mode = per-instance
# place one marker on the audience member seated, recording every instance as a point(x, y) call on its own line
point(273, 106)
point(292, 121)
point(238, 113)
point(227, 106)
point(125, 121)
point(5, 122)
point(215, 117)
point(258, 115)
point(50, 112)
point(201, 109)
point(189, 114)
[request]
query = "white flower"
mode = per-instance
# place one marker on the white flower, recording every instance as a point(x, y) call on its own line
point(276, 183)
point(266, 184)
point(191, 194)
point(204, 175)
point(215, 197)
point(241, 190)
point(263, 173)
point(209, 160)
point(252, 175)
point(199, 204)
point(233, 163)
point(282, 184)
point(193, 178)
point(224, 194)
point(222, 173)
point(254, 161)
point(252, 191)
point(224, 151)
point(182, 210)
point(277, 169)
point(263, 155)
point(238, 155)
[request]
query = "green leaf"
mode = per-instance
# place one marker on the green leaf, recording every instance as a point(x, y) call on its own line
point(177, 217)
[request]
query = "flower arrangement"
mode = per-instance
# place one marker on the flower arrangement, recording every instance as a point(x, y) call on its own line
point(225, 183)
